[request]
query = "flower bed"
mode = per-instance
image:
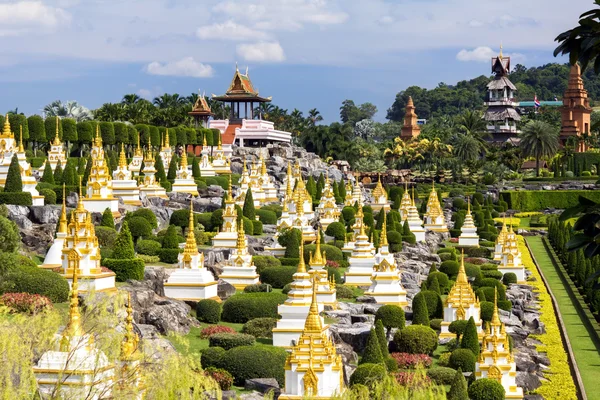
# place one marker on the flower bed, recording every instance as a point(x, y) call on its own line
point(559, 383)
point(213, 330)
point(25, 302)
point(411, 361)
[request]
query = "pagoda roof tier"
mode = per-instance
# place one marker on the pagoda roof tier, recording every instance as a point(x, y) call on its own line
point(201, 107)
point(241, 90)
point(500, 83)
point(500, 113)
point(500, 64)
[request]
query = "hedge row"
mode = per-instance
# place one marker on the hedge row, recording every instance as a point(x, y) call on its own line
point(536, 200)
point(19, 198)
point(126, 269)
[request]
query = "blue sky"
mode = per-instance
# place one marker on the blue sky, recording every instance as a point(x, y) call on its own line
point(304, 53)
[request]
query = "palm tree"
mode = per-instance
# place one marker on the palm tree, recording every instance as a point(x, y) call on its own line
point(467, 148)
point(130, 99)
point(581, 42)
point(539, 139)
point(314, 116)
point(472, 123)
point(71, 109)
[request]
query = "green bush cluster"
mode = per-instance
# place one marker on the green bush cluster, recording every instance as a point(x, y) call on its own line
point(260, 327)
point(230, 340)
point(243, 307)
point(486, 389)
point(34, 280)
point(277, 277)
point(209, 311)
point(537, 200)
point(126, 269)
point(416, 339)
point(249, 362)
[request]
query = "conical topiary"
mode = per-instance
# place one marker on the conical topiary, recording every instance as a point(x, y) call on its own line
point(372, 353)
point(172, 173)
point(469, 339)
point(311, 187)
point(58, 174)
point(88, 169)
point(160, 169)
point(434, 285)
point(13, 182)
point(196, 168)
point(249, 210)
point(292, 249)
point(342, 191)
point(382, 339)
point(107, 219)
point(48, 175)
point(433, 268)
point(123, 247)
point(397, 202)
point(170, 240)
point(458, 389)
point(420, 312)
point(70, 177)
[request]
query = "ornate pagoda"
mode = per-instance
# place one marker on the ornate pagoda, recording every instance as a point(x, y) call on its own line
point(123, 185)
point(511, 257)
point(221, 162)
point(244, 127)
point(184, 181)
point(326, 292)
point(348, 200)
point(411, 128)
point(295, 309)
point(496, 360)
point(228, 234)
point(380, 197)
point(501, 116)
point(166, 152)
point(201, 111)
point(361, 261)
point(53, 257)
point(138, 158)
point(434, 217)
point(415, 224)
point(405, 203)
point(239, 269)
point(461, 303)
point(468, 232)
point(56, 154)
point(327, 210)
point(576, 111)
point(27, 178)
point(191, 281)
point(358, 223)
point(499, 245)
point(149, 186)
point(128, 368)
point(313, 369)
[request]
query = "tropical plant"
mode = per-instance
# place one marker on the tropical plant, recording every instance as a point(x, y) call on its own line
point(539, 139)
point(581, 42)
point(70, 109)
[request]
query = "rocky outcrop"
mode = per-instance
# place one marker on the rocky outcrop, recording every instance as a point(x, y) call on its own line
point(263, 385)
point(225, 290)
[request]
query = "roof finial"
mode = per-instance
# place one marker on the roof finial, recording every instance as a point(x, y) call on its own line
point(313, 321)
point(236, 67)
point(301, 263)
point(500, 55)
point(74, 325)
point(62, 226)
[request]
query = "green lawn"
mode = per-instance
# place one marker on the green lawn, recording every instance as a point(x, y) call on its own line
point(524, 222)
point(587, 352)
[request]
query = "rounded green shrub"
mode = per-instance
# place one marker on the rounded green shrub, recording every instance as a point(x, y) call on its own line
point(243, 307)
point(435, 306)
point(278, 277)
point(263, 262)
point(486, 389)
point(441, 375)
point(368, 374)
point(391, 364)
point(491, 274)
point(36, 281)
point(147, 247)
point(49, 196)
point(442, 279)
point(487, 310)
point(344, 292)
point(211, 357)
point(416, 339)
point(266, 216)
point(472, 270)
point(106, 236)
point(488, 267)
point(457, 327)
point(260, 327)
point(257, 227)
point(436, 324)
point(508, 278)
point(258, 288)
point(463, 359)
point(230, 340)
point(450, 268)
point(209, 311)
point(447, 257)
point(331, 252)
point(249, 362)
point(391, 316)
point(168, 256)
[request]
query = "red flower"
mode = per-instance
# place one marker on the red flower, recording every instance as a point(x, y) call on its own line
point(214, 329)
point(25, 302)
point(411, 361)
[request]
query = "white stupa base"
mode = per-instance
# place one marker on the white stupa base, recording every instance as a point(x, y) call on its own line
point(98, 205)
point(325, 222)
point(329, 382)
point(436, 228)
point(348, 247)
point(103, 282)
point(518, 271)
point(225, 239)
point(128, 191)
point(419, 233)
point(360, 271)
point(469, 241)
point(379, 206)
point(207, 171)
point(240, 277)
point(291, 324)
point(154, 191)
point(221, 167)
point(393, 298)
point(185, 186)
point(386, 289)
point(191, 284)
point(277, 251)
point(53, 257)
point(37, 200)
point(508, 380)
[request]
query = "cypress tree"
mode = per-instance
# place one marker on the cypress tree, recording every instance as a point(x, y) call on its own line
point(48, 175)
point(88, 169)
point(248, 210)
point(336, 193)
point(171, 241)
point(172, 173)
point(81, 166)
point(70, 175)
point(112, 161)
point(320, 186)
point(396, 203)
point(420, 312)
point(58, 174)
point(311, 187)
point(123, 247)
point(382, 339)
point(469, 339)
point(107, 219)
point(379, 219)
point(342, 191)
point(372, 353)
point(196, 168)
point(434, 285)
point(292, 250)
point(423, 207)
point(433, 268)
point(458, 389)
point(160, 169)
point(13, 182)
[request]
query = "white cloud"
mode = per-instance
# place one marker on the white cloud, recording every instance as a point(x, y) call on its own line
point(261, 52)
point(474, 23)
point(230, 30)
point(185, 67)
point(27, 16)
point(485, 54)
point(145, 93)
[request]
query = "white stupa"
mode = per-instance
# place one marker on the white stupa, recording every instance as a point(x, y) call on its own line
point(56, 154)
point(434, 217)
point(380, 197)
point(415, 223)
point(326, 292)
point(27, 178)
point(184, 181)
point(138, 159)
point(150, 187)
point(123, 185)
point(239, 269)
point(53, 257)
point(511, 257)
point(166, 152)
point(227, 236)
point(468, 232)
point(327, 210)
point(220, 162)
point(361, 261)
point(206, 166)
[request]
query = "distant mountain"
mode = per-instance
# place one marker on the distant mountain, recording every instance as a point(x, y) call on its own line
point(548, 82)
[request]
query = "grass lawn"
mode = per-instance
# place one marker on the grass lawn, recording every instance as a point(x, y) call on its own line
point(442, 348)
point(524, 222)
point(587, 352)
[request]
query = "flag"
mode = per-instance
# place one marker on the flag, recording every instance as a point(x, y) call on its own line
point(536, 102)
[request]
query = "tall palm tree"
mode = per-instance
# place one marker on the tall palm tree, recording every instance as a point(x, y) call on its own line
point(467, 148)
point(582, 42)
point(314, 116)
point(70, 109)
point(539, 139)
point(471, 122)
point(130, 99)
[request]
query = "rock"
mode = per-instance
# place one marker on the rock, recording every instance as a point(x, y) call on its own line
point(527, 381)
point(263, 385)
point(352, 308)
point(251, 396)
point(524, 362)
point(215, 191)
point(207, 204)
point(372, 308)
point(154, 278)
point(355, 335)
point(147, 331)
point(15, 211)
point(48, 214)
point(72, 200)
point(22, 222)
point(168, 315)
point(225, 289)
point(228, 394)
point(158, 348)
point(163, 215)
point(366, 299)
point(533, 397)
point(348, 354)
point(362, 318)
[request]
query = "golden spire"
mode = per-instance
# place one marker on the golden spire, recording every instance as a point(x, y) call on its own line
point(500, 55)
point(301, 265)
point(167, 138)
point(73, 327)
point(229, 192)
point(219, 144)
point(263, 167)
point(383, 241)
point(80, 200)
point(204, 142)
point(183, 162)
point(56, 138)
point(98, 140)
point(138, 150)
point(190, 241)
point(289, 170)
point(495, 319)
point(6, 129)
point(241, 239)
point(468, 205)
point(62, 222)
point(245, 166)
point(130, 342)
point(413, 196)
point(316, 258)
point(313, 321)
point(122, 158)
point(21, 149)
point(461, 277)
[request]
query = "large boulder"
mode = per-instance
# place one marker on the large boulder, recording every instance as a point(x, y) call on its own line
point(355, 335)
point(225, 289)
point(215, 191)
point(263, 385)
point(154, 278)
point(168, 315)
point(47, 214)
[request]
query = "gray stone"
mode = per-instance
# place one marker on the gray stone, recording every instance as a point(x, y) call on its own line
point(72, 199)
point(147, 331)
point(263, 385)
point(362, 318)
point(225, 289)
point(251, 396)
point(366, 299)
point(527, 381)
point(48, 214)
point(228, 394)
point(154, 278)
point(355, 335)
point(372, 308)
point(215, 191)
point(22, 222)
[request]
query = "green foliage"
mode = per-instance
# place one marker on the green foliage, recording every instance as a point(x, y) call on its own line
point(13, 182)
point(107, 131)
point(258, 228)
point(107, 219)
point(35, 280)
point(260, 327)
point(246, 306)
point(486, 389)
point(106, 236)
point(292, 247)
point(230, 340)
point(267, 216)
point(48, 175)
point(382, 339)
point(49, 196)
point(172, 173)
point(416, 339)
point(50, 128)
point(37, 129)
point(211, 357)
point(442, 279)
point(450, 268)
point(58, 174)
point(70, 177)
point(84, 132)
point(508, 278)
point(458, 388)
point(248, 362)
point(368, 375)
point(277, 277)
point(470, 339)
point(457, 327)
point(208, 311)
point(125, 269)
point(180, 218)
point(248, 209)
point(463, 359)
point(434, 286)
point(16, 198)
point(372, 353)
point(248, 226)
point(168, 256)
point(123, 247)
point(170, 240)
point(331, 252)
point(148, 247)
point(442, 376)
point(537, 200)
point(435, 306)
point(263, 262)
point(337, 230)
point(420, 312)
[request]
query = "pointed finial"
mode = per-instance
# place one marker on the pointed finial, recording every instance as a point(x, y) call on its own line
point(236, 67)
point(129, 344)
point(461, 277)
point(500, 55)
point(383, 241)
point(73, 327)
point(62, 225)
point(468, 205)
point(122, 157)
point(495, 318)
point(167, 138)
point(313, 321)
point(21, 149)
point(301, 263)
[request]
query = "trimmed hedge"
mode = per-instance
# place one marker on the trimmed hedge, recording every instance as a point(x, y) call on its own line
point(211, 357)
point(208, 310)
point(267, 216)
point(416, 339)
point(148, 247)
point(463, 359)
point(37, 281)
point(228, 341)
point(278, 277)
point(260, 327)
point(126, 269)
point(263, 262)
point(245, 306)
point(168, 256)
point(486, 389)
point(49, 196)
point(16, 198)
point(331, 252)
point(536, 200)
point(248, 362)
point(368, 374)
point(441, 375)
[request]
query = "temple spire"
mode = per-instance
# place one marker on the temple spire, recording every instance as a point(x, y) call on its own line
point(383, 240)
point(241, 239)
point(495, 318)
point(190, 241)
point(461, 277)
point(130, 342)
point(229, 191)
point(62, 223)
point(184, 161)
point(301, 263)
point(21, 148)
point(73, 327)
point(122, 158)
point(167, 138)
point(313, 321)
point(6, 129)
point(56, 138)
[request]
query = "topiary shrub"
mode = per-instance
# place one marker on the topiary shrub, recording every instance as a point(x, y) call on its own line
point(260, 327)
point(450, 268)
point(420, 311)
point(278, 277)
point(168, 256)
point(287, 288)
point(508, 278)
point(463, 359)
point(332, 253)
point(391, 365)
point(470, 339)
point(457, 327)
point(266, 216)
point(391, 316)
point(36, 281)
point(436, 324)
point(368, 375)
point(435, 306)
point(263, 262)
point(487, 310)
point(231, 340)
point(132, 268)
point(257, 228)
point(243, 307)
point(258, 288)
point(486, 389)
point(211, 357)
point(148, 247)
point(483, 252)
point(209, 311)
point(106, 236)
point(416, 339)
point(491, 274)
point(344, 292)
point(442, 279)
point(447, 257)
point(441, 375)
point(395, 241)
point(49, 196)
point(248, 362)
point(372, 352)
